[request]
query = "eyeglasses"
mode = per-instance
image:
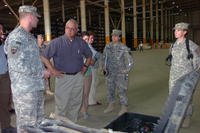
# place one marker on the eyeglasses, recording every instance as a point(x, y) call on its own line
point(71, 29)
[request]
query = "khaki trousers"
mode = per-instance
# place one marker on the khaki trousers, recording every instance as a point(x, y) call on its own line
point(87, 80)
point(68, 95)
point(92, 94)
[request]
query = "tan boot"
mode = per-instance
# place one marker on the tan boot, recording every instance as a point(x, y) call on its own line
point(186, 122)
point(109, 108)
point(48, 92)
point(123, 110)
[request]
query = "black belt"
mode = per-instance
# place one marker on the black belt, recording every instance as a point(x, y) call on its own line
point(70, 73)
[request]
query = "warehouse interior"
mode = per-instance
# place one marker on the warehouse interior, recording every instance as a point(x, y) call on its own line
point(149, 21)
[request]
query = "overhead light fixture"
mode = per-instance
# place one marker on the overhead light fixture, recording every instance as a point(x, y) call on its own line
point(173, 2)
point(5, 5)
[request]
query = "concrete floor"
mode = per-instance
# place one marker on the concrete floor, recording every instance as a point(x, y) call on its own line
point(147, 92)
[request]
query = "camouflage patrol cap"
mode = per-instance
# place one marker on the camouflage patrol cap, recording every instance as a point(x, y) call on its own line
point(116, 32)
point(182, 26)
point(29, 9)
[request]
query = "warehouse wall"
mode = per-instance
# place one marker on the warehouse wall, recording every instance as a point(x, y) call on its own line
point(195, 22)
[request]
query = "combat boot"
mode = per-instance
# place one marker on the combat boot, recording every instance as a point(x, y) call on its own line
point(109, 108)
point(186, 122)
point(48, 92)
point(123, 110)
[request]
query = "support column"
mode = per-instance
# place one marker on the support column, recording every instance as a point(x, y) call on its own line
point(173, 23)
point(107, 24)
point(157, 24)
point(47, 22)
point(99, 18)
point(162, 23)
point(63, 11)
point(169, 25)
point(83, 15)
point(135, 23)
point(166, 28)
point(151, 22)
point(89, 18)
point(123, 22)
point(78, 15)
point(144, 20)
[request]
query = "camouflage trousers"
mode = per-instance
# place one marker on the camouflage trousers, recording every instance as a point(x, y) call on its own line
point(119, 82)
point(189, 111)
point(29, 109)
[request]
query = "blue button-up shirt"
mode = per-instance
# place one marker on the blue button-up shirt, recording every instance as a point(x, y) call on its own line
point(3, 61)
point(68, 54)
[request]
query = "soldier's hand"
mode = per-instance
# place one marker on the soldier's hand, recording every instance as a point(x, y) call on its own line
point(105, 73)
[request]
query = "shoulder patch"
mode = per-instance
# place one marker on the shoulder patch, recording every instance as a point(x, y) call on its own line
point(14, 48)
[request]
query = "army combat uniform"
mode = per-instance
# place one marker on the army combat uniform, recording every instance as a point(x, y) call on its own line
point(26, 74)
point(185, 59)
point(181, 65)
point(117, 62)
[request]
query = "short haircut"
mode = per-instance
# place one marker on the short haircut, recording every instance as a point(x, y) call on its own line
point(40, 35)
point(72, 21)
point(91, 33)
point(84, 33)
point(23, 15)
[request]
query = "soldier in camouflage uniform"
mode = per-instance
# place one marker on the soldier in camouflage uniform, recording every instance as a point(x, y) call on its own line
point(117, 63)
point(26, 70)
point(181, 64)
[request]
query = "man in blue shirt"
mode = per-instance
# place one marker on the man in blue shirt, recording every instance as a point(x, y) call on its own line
point(5, 89)
point(67, 52)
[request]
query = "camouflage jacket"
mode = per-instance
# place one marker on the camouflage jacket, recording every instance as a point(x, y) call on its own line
point(180, 64)
point(24, 63)
point(117, 58)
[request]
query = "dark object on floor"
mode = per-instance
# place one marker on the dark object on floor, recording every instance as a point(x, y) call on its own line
point(98, 103)
point(132, 122)
point(12, 111)
point(9, 130)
